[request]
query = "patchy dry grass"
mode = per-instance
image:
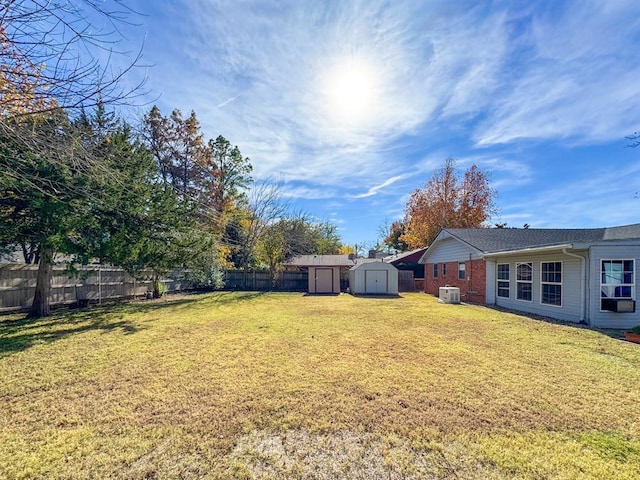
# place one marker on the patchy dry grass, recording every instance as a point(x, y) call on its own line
point(247, 385)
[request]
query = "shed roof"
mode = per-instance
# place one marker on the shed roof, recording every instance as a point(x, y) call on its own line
point(320, 261)
point(489, 240)
point(379, 265)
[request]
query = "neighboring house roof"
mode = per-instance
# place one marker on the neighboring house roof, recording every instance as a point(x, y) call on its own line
point(320, 261)
point(368, 260)
point(412, 256)
point(493, 240)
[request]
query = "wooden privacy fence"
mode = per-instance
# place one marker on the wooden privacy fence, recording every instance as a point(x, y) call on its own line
point(92, 284)
point(260, 280)
point(406, 282)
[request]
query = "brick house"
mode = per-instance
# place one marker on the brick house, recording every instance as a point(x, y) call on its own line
point(468, 275)
point(450, 261)
point(578, 275)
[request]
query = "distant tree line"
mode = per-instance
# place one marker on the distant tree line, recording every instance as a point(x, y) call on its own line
point(78, 182)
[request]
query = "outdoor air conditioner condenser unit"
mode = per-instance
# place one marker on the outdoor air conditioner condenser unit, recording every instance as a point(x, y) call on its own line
point(449, 295)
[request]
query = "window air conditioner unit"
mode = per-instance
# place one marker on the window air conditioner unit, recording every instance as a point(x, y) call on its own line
point(619, 305)
point(449, 295)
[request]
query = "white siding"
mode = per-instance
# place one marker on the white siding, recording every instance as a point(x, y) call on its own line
point(451, 250)
point(363, 276)
point(376, 281)
point(571, 286)
point(605, 319)
point(490, 276)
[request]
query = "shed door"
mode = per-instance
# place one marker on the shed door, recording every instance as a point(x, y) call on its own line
point(324, 280)
point(375, 281)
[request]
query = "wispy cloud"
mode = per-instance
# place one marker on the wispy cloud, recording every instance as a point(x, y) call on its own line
point(307, 192)
point(577, 78)
point(497, 84)
point(226, 102)
point(602, 197)
point(374, 190)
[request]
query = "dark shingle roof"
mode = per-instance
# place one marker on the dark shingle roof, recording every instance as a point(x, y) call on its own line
point(489, 240)
point(410, 256)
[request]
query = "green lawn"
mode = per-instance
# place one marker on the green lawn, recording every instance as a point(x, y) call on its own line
point(248, 385)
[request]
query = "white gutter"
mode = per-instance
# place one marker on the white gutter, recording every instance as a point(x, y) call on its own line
point(583, 262)
point(528, 250)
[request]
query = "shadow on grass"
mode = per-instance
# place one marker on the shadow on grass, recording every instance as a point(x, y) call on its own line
point(377, 296)
point(228, 297)
point(18, 333)
point(617, 334)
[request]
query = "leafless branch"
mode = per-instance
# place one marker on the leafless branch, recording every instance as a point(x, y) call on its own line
point(54, 54)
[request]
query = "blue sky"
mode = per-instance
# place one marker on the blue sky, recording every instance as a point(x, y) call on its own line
point(354, 104)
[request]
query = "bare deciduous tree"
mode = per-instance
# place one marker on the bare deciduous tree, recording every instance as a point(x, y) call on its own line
point(56, 55)
point(266, 205)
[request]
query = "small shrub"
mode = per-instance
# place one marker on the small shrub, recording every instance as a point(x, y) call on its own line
point(159, 289)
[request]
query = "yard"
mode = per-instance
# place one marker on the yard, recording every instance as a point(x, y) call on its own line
point(278, 385)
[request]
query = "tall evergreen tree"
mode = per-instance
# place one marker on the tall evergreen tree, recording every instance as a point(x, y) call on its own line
point(44, 200)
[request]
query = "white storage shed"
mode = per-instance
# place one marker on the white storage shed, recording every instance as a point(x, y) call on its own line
point(373, 278)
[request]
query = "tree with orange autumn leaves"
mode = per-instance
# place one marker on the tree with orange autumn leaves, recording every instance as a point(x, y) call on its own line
point(448, 200)
point(20, 82)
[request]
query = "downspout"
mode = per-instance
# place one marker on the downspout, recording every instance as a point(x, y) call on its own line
point(470, 285)
point(582, 282)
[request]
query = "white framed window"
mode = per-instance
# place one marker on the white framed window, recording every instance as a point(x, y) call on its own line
point(524, 281)
point(551, 283)
point(617, 280)
point(435, 270)
point(462, 271)
point(502, 276)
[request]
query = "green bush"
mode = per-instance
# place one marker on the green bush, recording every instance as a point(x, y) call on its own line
point(159, 289)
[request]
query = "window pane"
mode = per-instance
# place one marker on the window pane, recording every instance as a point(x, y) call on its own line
point(503, 271)
point(524, 291)
point(621, 292)
point(618, 279)
point(552, 294)
point(524, 271)
point(503, 289)
point(611, 271)
point(551, 272)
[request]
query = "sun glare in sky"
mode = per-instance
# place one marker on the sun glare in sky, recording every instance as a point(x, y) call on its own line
point(350, 91)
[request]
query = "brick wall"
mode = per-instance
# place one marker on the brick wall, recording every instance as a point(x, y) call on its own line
point(472, 289)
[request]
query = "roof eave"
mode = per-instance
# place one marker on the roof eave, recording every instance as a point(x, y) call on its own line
point(526, 250)
point(444, 233)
